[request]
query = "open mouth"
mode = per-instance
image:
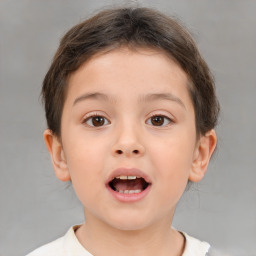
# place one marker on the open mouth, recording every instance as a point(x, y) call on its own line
point(128, 184)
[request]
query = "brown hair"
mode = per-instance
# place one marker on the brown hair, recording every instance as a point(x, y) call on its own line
point(133, 28)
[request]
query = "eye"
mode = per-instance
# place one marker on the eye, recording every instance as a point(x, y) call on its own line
point(96, 121)
point(159, 120)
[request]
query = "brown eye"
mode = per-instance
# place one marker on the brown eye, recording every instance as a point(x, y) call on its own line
point(159, 120)
point(96, 121)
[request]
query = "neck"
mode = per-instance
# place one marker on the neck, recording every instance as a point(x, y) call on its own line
point(157, 239)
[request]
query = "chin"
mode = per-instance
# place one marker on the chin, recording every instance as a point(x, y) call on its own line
point(129, 223)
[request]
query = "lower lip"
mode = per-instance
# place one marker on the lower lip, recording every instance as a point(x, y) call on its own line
point(122, 197)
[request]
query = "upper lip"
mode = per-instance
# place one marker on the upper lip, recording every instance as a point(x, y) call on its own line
point(129, 172)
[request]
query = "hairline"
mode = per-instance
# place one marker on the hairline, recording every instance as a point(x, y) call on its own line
point(134, 47)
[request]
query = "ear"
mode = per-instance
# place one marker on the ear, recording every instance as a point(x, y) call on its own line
point(55, 149)
point(203, 152)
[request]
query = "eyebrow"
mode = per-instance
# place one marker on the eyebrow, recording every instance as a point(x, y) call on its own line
point(162, 96)
point(143, 98)
point(87, 96)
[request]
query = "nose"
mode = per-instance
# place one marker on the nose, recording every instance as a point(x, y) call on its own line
point(128, 143)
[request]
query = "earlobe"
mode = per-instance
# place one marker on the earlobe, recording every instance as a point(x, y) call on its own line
point(202, 156)
point(55, 149)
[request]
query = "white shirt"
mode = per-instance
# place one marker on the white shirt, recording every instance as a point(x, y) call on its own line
point(68, 245)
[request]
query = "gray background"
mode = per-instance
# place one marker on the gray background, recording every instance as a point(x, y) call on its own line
point(36, 208)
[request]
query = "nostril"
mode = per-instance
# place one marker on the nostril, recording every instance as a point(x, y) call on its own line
point(135, 152)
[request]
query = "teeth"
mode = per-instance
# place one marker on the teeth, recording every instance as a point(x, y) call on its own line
point(131, 177)
point(122, 177)
point(129, 191)
point(127, 177)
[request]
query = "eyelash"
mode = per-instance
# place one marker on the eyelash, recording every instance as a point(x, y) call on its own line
point(91, 116)
point(169, 120)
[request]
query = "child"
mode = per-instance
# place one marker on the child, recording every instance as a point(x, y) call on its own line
point(131, 110)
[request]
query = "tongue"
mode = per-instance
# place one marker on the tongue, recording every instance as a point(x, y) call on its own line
point(123, 185)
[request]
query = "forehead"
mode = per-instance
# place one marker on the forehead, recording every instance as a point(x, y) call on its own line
point(122, 71)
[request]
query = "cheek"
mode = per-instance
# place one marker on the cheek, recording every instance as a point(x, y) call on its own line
point(174, 154)
point(84, 150)
point(173, 166)
point(85, 162)
point(172, 160)
point(86, 174)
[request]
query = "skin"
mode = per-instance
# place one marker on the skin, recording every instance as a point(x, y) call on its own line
point(170, 154)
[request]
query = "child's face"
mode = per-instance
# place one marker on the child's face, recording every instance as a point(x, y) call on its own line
point(128, 113)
